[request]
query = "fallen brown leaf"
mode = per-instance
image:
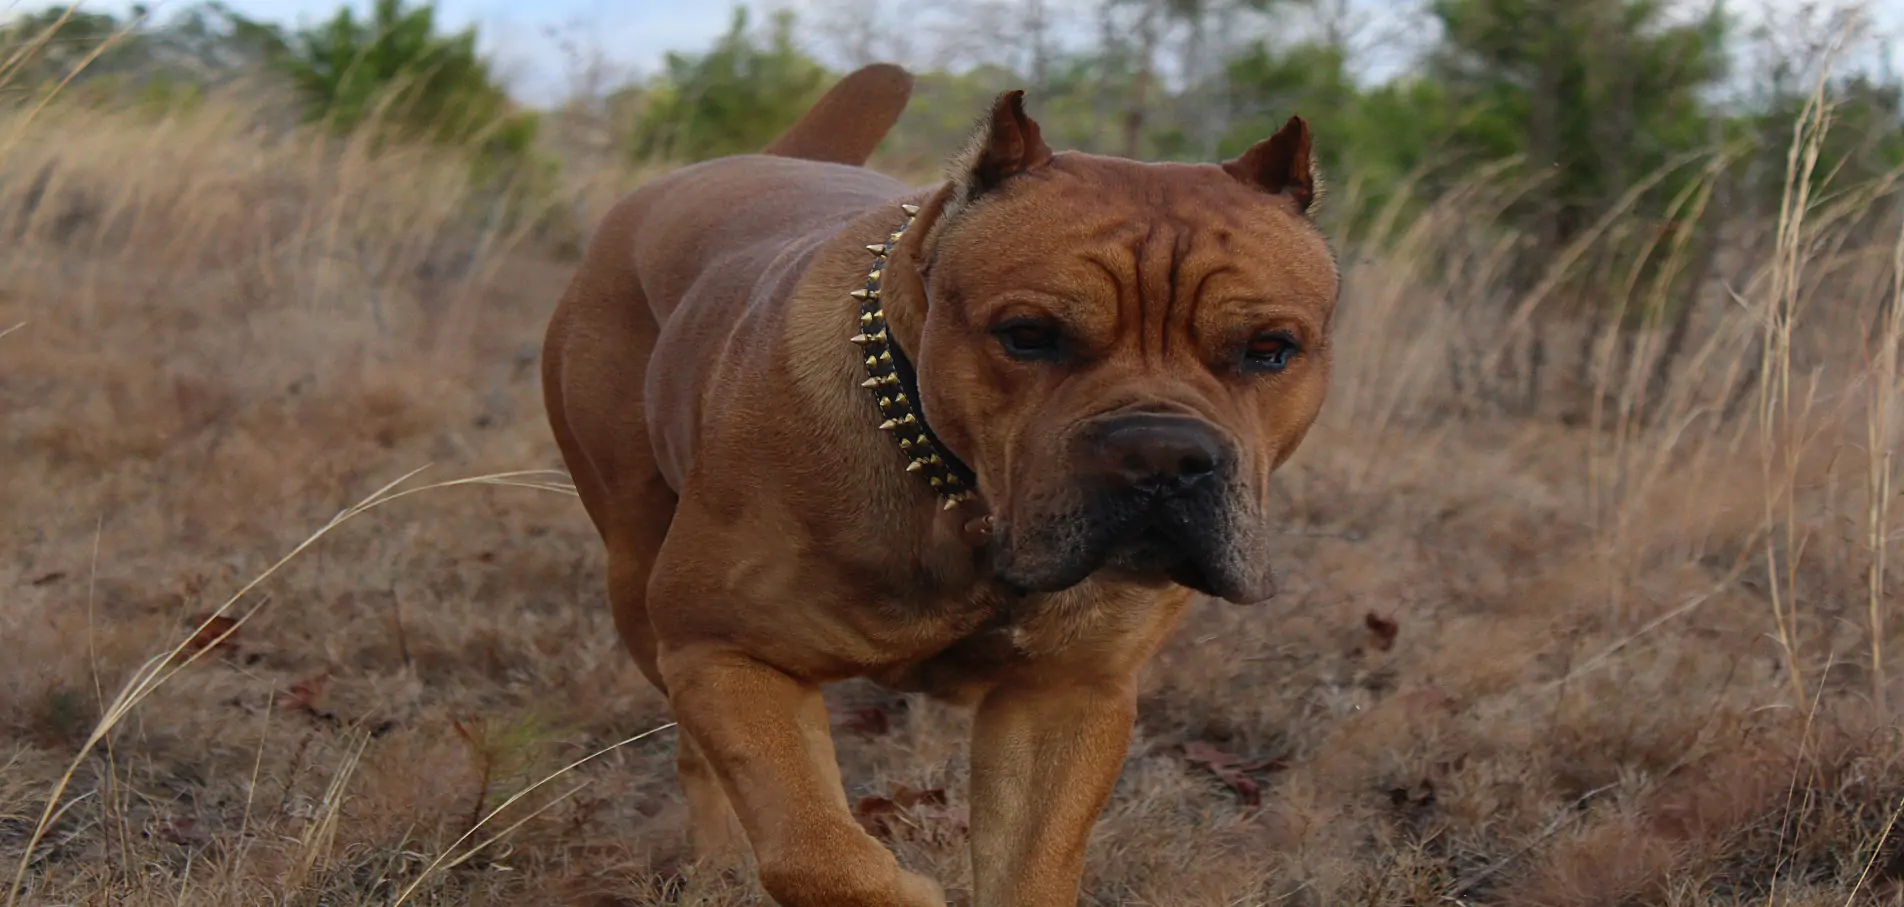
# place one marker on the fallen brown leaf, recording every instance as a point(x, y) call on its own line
point(184, 831)
point(916, 813)
point(1421, 797)
point(1231, 769)
point(306, 695)
point(1427, 697)
point(908, 798)
point(215, 632)
point(876, 815)
point(871, 721)
point(1382, 631)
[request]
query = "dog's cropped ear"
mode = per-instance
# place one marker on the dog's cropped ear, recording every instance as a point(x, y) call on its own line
point(1282, 164)
point(1005, 145)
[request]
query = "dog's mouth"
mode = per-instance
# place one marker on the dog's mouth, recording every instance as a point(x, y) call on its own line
point(1153, 552)
point(1139, 539)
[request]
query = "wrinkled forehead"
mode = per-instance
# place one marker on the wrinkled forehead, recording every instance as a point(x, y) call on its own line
point(1095, 227)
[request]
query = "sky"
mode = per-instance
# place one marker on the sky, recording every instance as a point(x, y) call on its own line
point(526, 36)
point(534, 42)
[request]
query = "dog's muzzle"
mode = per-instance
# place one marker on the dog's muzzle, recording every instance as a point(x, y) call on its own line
point(1154, 455)
point(1154, 497)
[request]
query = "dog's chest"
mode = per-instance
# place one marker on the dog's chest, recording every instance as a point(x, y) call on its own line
point(1001, 632)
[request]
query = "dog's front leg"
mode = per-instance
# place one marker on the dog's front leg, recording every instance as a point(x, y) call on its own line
point(1045, 755)
point(766, 735)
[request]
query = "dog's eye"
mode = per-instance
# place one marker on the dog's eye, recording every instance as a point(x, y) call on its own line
point(1271, 351)
point(1027, 339)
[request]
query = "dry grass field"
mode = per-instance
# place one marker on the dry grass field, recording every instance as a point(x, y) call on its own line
point(1623, 644)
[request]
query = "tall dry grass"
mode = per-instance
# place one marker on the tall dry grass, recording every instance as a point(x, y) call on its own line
point(1578, 635)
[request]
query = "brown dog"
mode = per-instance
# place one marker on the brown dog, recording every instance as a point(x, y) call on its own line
point(980, 441)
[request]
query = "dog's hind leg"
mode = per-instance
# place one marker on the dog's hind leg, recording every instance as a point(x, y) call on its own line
point(594, 358)
point(717, 836)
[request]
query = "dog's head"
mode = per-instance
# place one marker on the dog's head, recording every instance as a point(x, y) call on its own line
point(1123, 352)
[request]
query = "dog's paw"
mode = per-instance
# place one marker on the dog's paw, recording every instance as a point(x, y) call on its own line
point(915, 889)
point(832, 880)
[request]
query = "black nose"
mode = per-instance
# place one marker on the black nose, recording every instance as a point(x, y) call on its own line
point(1157, 453)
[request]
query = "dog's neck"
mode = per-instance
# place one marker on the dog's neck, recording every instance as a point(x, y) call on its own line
point(893, 385)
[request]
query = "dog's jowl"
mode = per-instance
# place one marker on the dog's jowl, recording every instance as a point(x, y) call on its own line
point(983, 440)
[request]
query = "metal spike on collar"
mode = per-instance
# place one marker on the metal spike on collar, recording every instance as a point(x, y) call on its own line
point(894, 407)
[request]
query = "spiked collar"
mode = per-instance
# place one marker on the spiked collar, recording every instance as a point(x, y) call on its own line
point(894, 386)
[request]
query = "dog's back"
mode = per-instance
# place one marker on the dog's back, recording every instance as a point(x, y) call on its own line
point(681, 226)
point(689, 246)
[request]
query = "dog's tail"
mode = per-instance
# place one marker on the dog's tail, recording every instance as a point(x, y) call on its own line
point(849, 121)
